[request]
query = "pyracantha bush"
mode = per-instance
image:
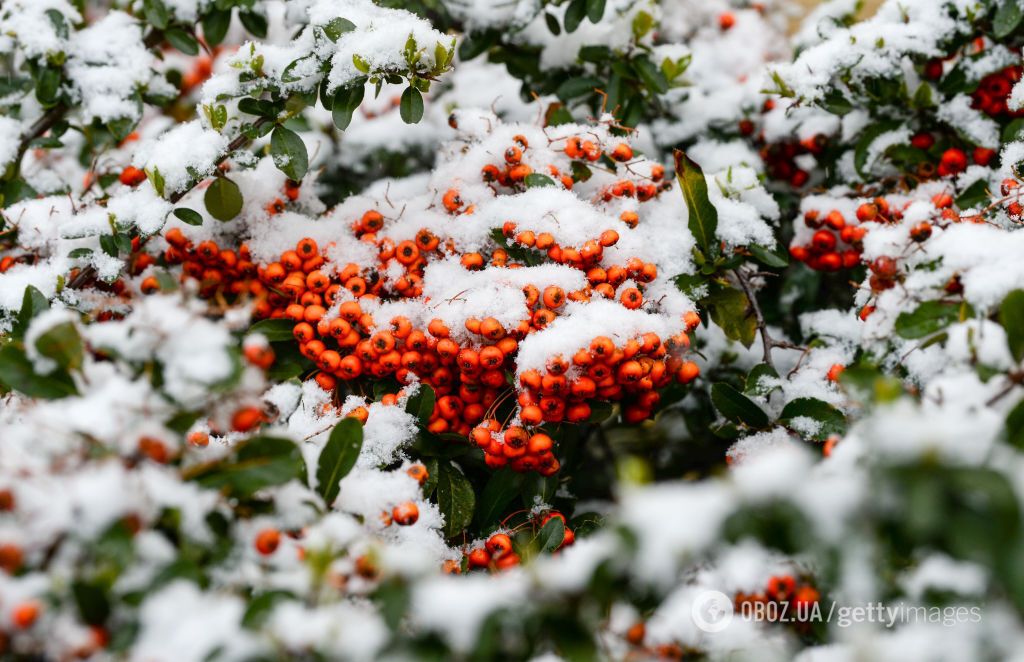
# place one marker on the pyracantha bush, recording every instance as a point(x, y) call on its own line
point(451, 329)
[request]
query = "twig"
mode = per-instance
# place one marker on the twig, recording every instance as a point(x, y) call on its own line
point(1015, 378)
point(767, 342)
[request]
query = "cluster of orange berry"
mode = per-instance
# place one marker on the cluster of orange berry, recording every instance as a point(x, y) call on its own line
point(780, 158)
point(799, 598)
point(587, 258)
point(823, 252)
point(994, 91)
point(217, 269)
point(497, 553)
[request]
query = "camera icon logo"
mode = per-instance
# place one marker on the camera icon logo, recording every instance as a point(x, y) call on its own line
point(712, 611)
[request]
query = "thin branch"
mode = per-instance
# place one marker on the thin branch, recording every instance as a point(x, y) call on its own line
point(1015, 378)
point(768, 343)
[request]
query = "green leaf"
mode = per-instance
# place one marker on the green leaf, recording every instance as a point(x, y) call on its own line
point(1014, 131)
point(359, 63)
point(1007, 18)
point(258, 463)
point(223, 199)
point(500, 490)
point(730, 309)
point(190, 216)
point(652, 76)
point(456, 499)
point(421, 405)
point(156, 13)
point(33, 302)
point(976, 195)
point(538, 489)
point(867, 138)
point(289, 153)
point(1015, 426)
point(63, 344)
point(831, 419)
point(703, 217)
point(92, 602)
point(552, 22)
point(411, 105)
point(274, 329)
point(338, 27)
point(577, 87)
point(575, 14)
point(48, 86)
point(595, 10)
point(537, 180)
point(928, 318)
point(346, 100)
point(215, 26)
point(80, 252)
point(183, 41)
point(338, 457)
point(737, 407)
point(768, 257)
point(16, 373)
point(254, 22)
point(753, 384)
point(551, 535)
point(1011, 316)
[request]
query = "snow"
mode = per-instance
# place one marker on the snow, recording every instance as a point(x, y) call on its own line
point(177, 166)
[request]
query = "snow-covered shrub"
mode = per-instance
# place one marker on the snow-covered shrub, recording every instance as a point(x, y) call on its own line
point(456, 329)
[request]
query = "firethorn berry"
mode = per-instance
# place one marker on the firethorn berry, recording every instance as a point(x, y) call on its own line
point(246, 419)
point(781, 588)
point(507, 561)
point(830, 444)
point(267, 541)
point(451, 200)
point(823, 240)
point(154, 449)
point(199, 439)
point(636, 633)
point(149, 285)
point(726, 20)
point(835, 371)
point(921, 231)
point(366, 567)
point(11, 558)
point(953, 161)
point(498, 545)
point(479, 558)
point(622, 152)
point(884, 267)
point(132, 176)
point(24, 615)
point(688, 372)
point(6, 500)
point(275, 206)
point(405, 514)
point(806, 596)
point(419, 473)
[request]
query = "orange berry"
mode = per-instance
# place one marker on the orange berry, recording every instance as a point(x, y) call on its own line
point(199, 439)
point(24, 615)
point(419, 473)
point(267, 541)
point(688, 372)
point(246, 419)
point(405, 514)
